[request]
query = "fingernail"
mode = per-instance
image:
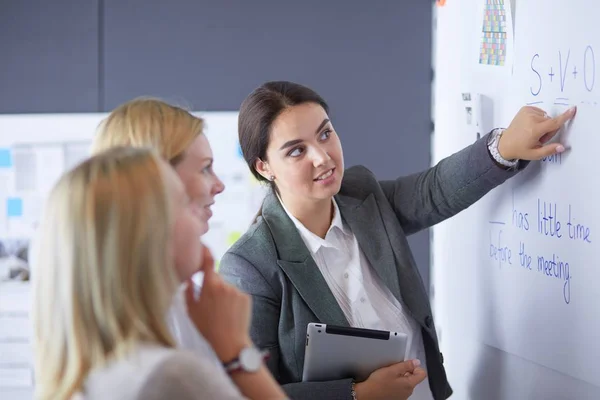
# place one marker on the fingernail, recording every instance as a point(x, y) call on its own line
point(571, 110)
point(560, 148)
point(416, 363)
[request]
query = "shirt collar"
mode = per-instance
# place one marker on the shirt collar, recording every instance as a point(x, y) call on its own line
point(312, 241)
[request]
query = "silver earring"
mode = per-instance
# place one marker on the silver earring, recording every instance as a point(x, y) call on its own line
point(271, 178)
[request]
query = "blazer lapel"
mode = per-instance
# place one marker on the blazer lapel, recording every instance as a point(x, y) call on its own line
point(367, 225)
point(297, 263)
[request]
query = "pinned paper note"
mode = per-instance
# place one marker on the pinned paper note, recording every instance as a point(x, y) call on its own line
point(494, 33)
point(5, 158)
point(14, 207)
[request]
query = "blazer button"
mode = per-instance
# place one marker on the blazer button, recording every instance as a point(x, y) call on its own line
point(429, 322)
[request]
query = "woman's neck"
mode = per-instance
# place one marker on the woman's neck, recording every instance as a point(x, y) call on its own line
point(316, 216)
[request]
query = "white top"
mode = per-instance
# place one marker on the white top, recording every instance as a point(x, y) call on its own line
point(152, 373)
point(362, 296)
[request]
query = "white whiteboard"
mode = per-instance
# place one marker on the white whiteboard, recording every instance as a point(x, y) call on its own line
point(515, 275)
point(35, 149)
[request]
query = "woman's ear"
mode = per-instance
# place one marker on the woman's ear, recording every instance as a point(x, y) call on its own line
point(262, 167)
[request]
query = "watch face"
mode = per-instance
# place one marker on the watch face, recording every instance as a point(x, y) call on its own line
point(250, 359)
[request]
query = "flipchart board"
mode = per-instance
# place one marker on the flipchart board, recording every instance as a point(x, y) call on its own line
point(515, 288)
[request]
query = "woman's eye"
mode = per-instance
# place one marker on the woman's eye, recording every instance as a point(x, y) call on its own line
point(325, 135)
point(296, 152)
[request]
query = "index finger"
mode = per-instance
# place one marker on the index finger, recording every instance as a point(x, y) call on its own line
point(554, 124)
point(209, 273)
point(208, 262)
point(190, 292)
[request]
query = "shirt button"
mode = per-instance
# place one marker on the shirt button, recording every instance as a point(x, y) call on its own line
point(362, 300)
point(346, 275)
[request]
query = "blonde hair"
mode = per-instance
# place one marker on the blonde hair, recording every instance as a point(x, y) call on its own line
point(150, 122)
point(103, 279)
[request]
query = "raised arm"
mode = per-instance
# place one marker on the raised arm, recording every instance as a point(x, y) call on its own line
point(427, 198)
point(424, 199)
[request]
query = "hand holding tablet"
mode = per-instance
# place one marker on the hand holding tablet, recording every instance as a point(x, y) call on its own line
point(336, 352)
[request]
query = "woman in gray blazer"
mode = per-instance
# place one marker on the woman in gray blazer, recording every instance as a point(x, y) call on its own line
point(330, 245)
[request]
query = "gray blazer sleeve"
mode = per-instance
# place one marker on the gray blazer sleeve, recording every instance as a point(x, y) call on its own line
point(185, 377)
point(266, 306)
point(426, 198)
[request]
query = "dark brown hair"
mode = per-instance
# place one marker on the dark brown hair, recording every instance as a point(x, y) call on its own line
point(261, 108)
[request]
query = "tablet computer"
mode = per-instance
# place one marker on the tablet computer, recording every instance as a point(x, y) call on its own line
point(339, 352)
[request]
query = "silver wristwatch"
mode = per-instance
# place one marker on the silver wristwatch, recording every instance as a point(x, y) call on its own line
point(249, 360)
point(493, 141)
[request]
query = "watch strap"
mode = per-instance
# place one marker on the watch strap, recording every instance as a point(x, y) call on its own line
point(235, 365)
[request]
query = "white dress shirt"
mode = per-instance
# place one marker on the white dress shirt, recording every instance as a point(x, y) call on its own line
point(365, 300)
